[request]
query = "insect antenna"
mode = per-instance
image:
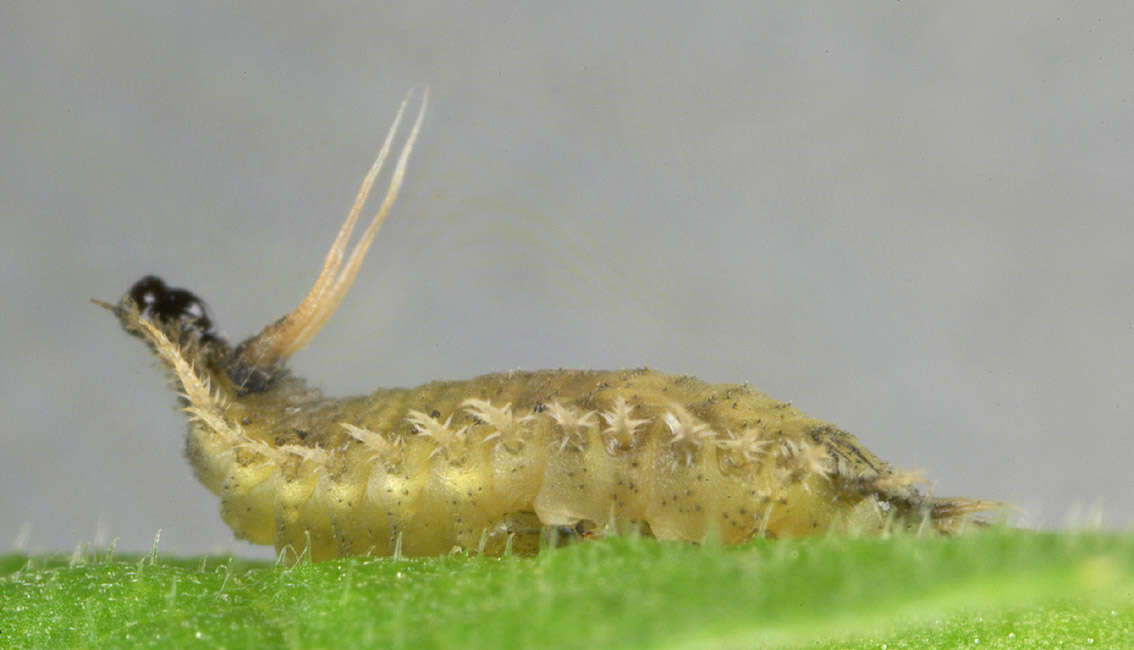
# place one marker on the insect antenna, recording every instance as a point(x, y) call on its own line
point(258, 359)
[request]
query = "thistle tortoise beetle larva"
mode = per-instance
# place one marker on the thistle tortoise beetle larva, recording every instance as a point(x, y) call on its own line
point(489, 462)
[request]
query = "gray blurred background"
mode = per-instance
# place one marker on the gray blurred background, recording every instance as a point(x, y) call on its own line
point(910, 219)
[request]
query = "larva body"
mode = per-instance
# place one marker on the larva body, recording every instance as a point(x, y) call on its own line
point(487, 463)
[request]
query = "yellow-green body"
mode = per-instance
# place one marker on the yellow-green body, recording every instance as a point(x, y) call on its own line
point(470, 464)
point(488, 463)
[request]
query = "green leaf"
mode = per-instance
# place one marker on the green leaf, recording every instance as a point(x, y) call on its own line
point(999, 588)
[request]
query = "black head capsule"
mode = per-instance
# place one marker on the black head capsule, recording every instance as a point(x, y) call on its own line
point(158, 302)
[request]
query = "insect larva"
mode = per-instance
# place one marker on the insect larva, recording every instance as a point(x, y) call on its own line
point(482, 463)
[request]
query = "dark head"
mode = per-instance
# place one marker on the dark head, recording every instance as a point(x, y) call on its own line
point(157, 301)
point(178, 312)
point(184, 318)
point(176, 326)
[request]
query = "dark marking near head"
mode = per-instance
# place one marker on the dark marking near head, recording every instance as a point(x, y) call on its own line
point(157, 301)
point(252, 379)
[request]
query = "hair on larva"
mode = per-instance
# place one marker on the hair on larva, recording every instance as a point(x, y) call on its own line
point(488, 463)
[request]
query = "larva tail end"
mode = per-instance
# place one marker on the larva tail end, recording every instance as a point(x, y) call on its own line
point(952, 516)
point(259, 360)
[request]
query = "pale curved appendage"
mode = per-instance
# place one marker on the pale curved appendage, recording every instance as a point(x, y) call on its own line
point(258, 359)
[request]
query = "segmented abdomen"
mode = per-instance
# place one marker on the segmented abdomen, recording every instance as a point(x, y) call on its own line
point(470, 464)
